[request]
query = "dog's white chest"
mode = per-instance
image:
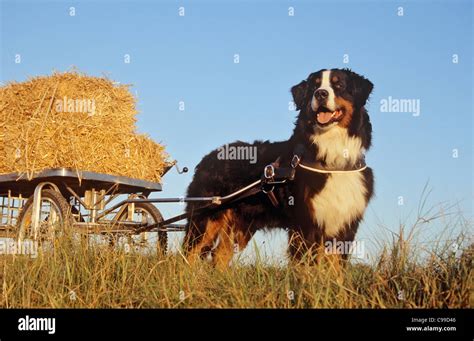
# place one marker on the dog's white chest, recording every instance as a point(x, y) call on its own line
point(340, 202)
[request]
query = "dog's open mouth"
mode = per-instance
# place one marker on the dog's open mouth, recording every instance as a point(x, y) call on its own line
point(324, 116)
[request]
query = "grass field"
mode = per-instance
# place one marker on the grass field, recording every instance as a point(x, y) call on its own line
point(76, 274)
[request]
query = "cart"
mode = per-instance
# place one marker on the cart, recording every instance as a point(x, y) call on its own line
point(39, 207)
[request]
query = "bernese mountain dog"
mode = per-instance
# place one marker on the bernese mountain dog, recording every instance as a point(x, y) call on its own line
point(330, 191)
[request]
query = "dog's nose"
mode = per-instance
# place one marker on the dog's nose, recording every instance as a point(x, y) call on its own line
point(321, 94)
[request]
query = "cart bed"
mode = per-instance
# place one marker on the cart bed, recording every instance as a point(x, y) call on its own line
point(79, 181)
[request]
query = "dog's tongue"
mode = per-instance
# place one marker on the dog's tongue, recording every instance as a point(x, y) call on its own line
point(324, 117)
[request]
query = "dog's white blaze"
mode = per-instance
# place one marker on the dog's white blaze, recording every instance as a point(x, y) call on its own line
point(343, 197)
point(326, 85)
point(336, 147)
point(340, 202)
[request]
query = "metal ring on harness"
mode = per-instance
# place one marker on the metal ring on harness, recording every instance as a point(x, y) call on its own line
point(295, 161)
point(269, 172)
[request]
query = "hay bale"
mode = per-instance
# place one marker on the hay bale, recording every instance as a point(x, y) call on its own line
point(75, 121)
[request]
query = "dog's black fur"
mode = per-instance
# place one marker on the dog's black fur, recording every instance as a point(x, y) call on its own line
point(295, 212)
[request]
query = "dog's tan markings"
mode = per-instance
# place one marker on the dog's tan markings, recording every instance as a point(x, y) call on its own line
point(348, 111)
point(210, 234)
point(231, 234)
point(220, 238)
point(242, 238)
point(223, 253)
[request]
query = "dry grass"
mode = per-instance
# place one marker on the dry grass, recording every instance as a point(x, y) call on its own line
point(76, 275)
point(75, 121)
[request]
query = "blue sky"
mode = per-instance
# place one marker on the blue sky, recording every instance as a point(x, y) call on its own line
point(191, 59)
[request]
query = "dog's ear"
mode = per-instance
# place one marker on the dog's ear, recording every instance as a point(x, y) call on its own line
point(361, 88)
point(299, 94)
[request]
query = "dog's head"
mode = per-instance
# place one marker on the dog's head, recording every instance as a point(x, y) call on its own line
point(330, 98)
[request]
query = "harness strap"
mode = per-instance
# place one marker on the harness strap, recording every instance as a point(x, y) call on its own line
point(332, 171)
point(359, 166)
point(274, 171)
point(273, 198)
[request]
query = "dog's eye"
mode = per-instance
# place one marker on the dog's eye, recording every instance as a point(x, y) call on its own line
point(338, 85)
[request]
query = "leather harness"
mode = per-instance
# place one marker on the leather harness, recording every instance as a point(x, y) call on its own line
point(273, 172)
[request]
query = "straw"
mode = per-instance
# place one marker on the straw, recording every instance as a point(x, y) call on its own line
point(75, 121)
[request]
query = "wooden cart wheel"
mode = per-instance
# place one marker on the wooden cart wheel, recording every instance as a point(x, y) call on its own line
point(55, 213)
point(149, 214)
